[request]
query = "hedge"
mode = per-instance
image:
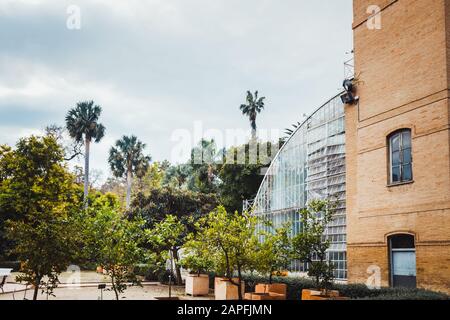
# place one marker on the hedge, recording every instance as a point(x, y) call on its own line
point(354, 291)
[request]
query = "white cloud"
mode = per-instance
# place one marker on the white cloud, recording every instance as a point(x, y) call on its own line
point(160, 65)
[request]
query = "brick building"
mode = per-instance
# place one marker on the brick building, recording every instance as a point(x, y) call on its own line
point(398, 145)
point(385, 158)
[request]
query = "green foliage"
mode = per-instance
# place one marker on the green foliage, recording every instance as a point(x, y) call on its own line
point(274, 252)
point(241, 175)
point(310, 245)
point(253, 106)
point(196, 256)
point(82, 122)
point(204, 159)
point(115, 243)
point(230, 241)
point(127, 156)
point(46, 243)
point(183, 204)
point(152, 179)
point(37, 195)
point(168, 233)
point(295, 286)
point(178, 176)
point(166, 238)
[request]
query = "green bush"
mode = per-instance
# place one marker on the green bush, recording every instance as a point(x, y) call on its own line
point(353, 291)
point(407, 294)
point(151, 274)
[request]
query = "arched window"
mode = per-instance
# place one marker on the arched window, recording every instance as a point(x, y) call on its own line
point(400, 157)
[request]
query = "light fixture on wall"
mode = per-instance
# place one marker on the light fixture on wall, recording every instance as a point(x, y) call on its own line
point(348, 97)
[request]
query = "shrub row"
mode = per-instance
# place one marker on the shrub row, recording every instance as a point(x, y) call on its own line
point(354, 291)
point(295, 286)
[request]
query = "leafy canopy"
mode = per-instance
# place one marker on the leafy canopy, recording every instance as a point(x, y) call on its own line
point(127, 156)
point(37, 198)
point(82, 122)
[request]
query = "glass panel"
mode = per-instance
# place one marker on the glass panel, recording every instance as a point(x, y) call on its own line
point(404, 263)
point(311, 165)
point(395, 174)
point(407, 158)
point(407, 173)
point(395, 143)
point(406, 139)
point(396, 158)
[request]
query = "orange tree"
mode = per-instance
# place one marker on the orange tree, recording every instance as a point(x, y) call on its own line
point(37, 197)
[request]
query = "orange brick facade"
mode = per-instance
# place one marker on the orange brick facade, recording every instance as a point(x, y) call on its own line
point(404, 75)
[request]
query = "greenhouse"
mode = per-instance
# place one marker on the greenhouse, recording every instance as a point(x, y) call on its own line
point(311, 165)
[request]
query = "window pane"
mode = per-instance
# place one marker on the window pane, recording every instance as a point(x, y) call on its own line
point(406, 139)
point(395, 143)
point(407, 159)
point(407, 173)
point(403, 241)
point(396, 158)
point(404, 263)
point(395, 174)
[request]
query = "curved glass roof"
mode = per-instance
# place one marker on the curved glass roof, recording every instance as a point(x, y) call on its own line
point(311, 165)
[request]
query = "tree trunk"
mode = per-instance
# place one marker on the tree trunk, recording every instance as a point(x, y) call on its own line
point(177, 267)
point(253, 125)
point(129, 182)
point(113, 282)
point(240, 283)
point(36, 288)
point(86, 172)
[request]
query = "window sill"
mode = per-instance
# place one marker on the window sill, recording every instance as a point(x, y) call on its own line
point(398, 184)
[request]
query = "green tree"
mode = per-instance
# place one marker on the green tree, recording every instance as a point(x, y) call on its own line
point(168, 236)
point(82, 125)
point(274, 251)
point(152, 179)
point(196, 256)
point(204, 159)
point(186, 206)
point(183, 204)
point(38, 195)
point(127, 158)
point(116, 244)
point(254, 105)
point(242, 174)
point(310, 245)
point(231, 241)
point(177, 176)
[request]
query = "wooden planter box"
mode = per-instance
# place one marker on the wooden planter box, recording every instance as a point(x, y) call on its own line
point(308, 294)
point(274, 291)
point(225, 290)
point(197, 285)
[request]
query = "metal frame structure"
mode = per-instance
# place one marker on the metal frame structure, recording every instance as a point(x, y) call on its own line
point(310, 165)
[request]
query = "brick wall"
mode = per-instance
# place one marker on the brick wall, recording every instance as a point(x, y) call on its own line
point(403, 73)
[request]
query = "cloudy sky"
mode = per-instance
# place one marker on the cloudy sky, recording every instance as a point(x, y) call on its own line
point(160, 66)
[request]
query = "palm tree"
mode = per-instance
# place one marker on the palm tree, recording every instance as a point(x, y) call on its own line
point(82, 125)
point(127, 158)
point(254, 106)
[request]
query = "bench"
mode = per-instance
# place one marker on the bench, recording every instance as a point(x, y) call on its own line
point(4, 273)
